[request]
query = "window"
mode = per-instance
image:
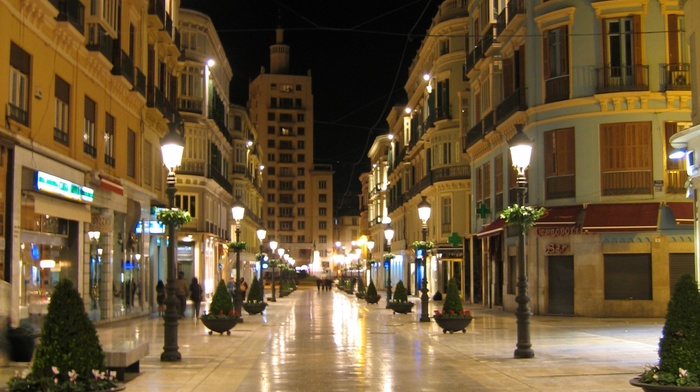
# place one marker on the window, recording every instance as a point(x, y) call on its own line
point(286, 117)
point(298, 87)
point(286, 198)
point(285, 225)
point(286, 185)
point(286, 144)
point(322, 184)
point(286, 211)
point(556, 64)
point(61, 116)
point(271, 226)
point(270, 184)
point(322, 239)
point(286, 131)
point(270, 212)
point(286, 158)
point(286, 88)
point(301, 131)
point(676, 173)
point(322, 198)
point(286, 103)
point(300, 239)
point(301, 211)
point(237, 123)
point(627, 276)
point(323, 225)
point(89, 127)
point(560, 164)
point(271, 171)
point(297, 103)
point(301, 185)
point(300, 144)
point(446, 215)
point(625, 155)
point(271, 130)
point(301, 158)
point(322, 211)
point(271, 197)
point(270, 116)
point(285, 172)
point(19, 84)
point(301, 198)
point(109, 140)
point(271, 157)
point(270, 143)
point(300, 117)
point(623, 56)
point(301, 225)
point(147, 162)
point(300, 171)
point(273, 86)
point(187, 202)
point(498, 184)
point(444, 47)
point(191, 89)
point(131, 155)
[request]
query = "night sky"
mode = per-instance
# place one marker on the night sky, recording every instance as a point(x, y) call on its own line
point(358, 52)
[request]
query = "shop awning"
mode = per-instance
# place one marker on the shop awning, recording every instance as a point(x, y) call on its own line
point(560, 216)
point(683, 212)
point(621, 217)
point(492, 228)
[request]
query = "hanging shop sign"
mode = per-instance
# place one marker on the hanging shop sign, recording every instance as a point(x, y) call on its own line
point(57, 186)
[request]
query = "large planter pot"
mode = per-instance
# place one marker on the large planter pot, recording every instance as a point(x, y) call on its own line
point(661, 388)
point(254, 307)
point(401, 307)
point(220, 325)
point(372, 299)
point(21, 346)
point(360, 295)
point(453, 324)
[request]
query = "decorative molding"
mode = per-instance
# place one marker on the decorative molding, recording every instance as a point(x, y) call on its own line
point(608, 9)
point(556, 18)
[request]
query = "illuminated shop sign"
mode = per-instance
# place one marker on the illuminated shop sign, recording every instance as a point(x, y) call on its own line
point(58, 186)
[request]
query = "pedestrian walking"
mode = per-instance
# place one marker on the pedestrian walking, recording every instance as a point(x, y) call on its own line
point(160, 297)
point(181, 291)
point(243, 287)
point(195, 296)
point(318, 284)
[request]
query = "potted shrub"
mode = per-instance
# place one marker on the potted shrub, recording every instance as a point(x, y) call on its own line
point(361, 291)
point(173, 215)
point(22, 341)
point(453, 317)
point(400, 302)
point(69, 355)
point(255, 303)
point(679, 346)
point(371, 295)
point(221, 317)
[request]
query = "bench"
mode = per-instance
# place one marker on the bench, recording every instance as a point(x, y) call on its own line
point(124, 357)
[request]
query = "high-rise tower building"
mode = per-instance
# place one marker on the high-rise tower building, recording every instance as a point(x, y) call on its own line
point(298, 194)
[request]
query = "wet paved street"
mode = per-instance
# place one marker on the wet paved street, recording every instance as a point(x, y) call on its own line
point(330, 341)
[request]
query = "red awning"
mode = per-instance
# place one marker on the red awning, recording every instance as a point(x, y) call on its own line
point(560, 216)
point(683, 212)
point(112, 185)
point(621, 217)
point(492, 228)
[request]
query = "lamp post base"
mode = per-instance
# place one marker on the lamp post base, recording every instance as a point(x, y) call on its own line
point(424, 317)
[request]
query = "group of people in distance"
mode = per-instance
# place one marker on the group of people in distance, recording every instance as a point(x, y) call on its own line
point(193, 291)
point(324, 284)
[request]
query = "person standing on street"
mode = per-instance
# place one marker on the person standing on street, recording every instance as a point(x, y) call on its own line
point(181, 290)
point(195, 296)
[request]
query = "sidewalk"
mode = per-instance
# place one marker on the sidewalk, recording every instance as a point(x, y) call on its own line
point(330, 341)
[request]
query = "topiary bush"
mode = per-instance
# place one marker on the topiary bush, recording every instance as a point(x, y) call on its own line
point(371, 289)
point(255, 294)
point(400, 293)
point(69, 356)
point(679, 346)
point(221, 303)
point(452, 300)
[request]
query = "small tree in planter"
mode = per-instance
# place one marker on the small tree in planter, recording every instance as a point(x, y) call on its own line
point(221, 317)
point(361, 291)
point(400, 302)
point(255, 303)
point(371, 296)
point(679, 346)
point(453, 316)
point(69, 356)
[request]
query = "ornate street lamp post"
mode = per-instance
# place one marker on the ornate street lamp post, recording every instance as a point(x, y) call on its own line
point(520, 150)
point(238, 211)
point(172, 146)
point(273, 246)
point(370, 246)
point(388, 236)
point(280, 252)
point(424, 215)
point(262, 233)
point(94, 237)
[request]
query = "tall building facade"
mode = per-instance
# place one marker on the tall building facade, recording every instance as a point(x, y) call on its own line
point(618, 228)
point(91, 90)
point(298, 194)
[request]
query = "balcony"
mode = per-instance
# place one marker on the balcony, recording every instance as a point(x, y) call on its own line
point(459, 172)
point(515, 102)
point(617, 183)
point(220, 179)
point(18, 114)
point(190, 105)
point(71, 11)
point(157, 99)
point(100, 41)
point(557, 89)
point(89, 149)
point(156, 13)
point(140, 85)
point(60, 136)
point(515, 8)
point(675, 77)
point(622, 78)
point(123, 64)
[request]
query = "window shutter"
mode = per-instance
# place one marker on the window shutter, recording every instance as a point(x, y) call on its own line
point(673, 57)
point(545, 55)
point(637, 38)
point(19, 59)
point(564, 50)
point(62, 90)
